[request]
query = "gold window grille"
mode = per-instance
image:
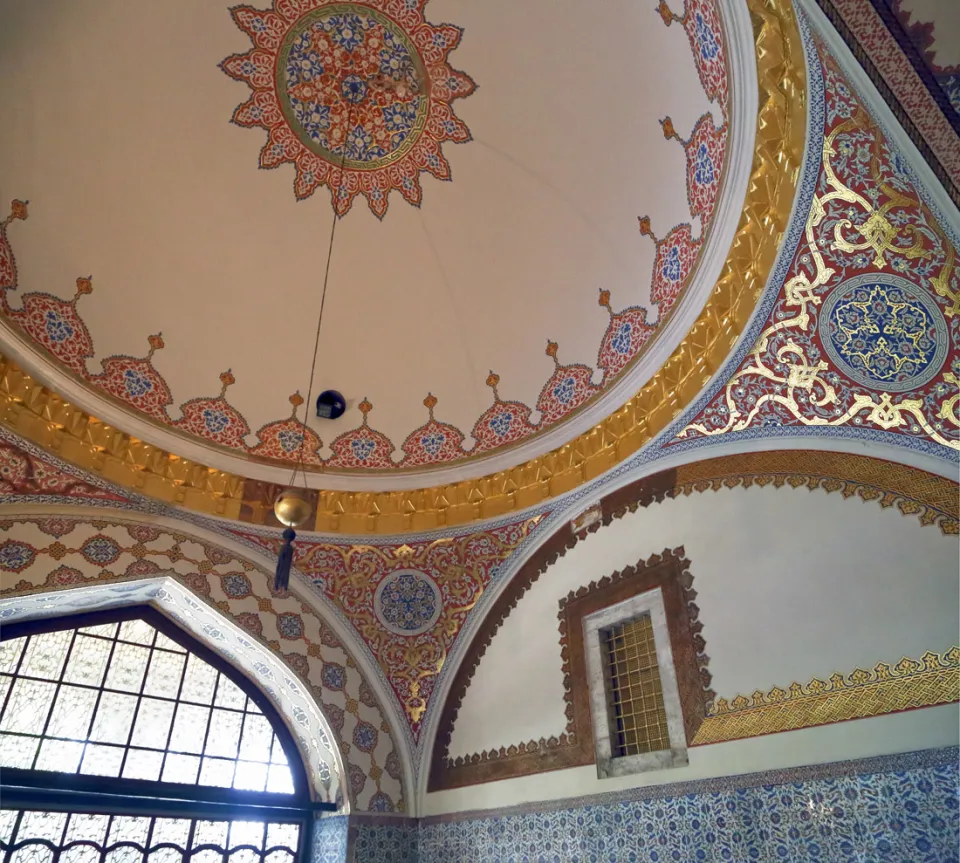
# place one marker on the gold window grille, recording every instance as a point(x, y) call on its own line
point(638, 719)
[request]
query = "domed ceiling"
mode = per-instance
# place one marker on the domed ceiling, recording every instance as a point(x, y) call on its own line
point(517, 210)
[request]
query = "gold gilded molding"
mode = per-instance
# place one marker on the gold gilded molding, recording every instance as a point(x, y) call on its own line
point(39, 415)
point(42, 416)
point(931, 680)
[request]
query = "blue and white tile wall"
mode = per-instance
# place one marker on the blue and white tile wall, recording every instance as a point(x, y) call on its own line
point(891, 809)
point(394, 842)
point(330, 839)
point(898, 817)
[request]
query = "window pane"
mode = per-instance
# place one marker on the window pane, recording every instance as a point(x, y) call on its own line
point(91, 828)
point(168, 643)
point(229, 694)
point(257, 737)
point(72, 712)
point(246, 833)
point(33, 854)
point(107, 630)
point(279, 779)
point(181, 768)
point(153, 723)
point(217, 771)
point(62, 755)
point(175, 830)
point(43, 825)
point(210, 833)
point(143, 764)
point(224, 736)
point(114, 717)
point(87, 661)
point(7, 817)
point(127, 837)
point(137, 631)
point(127, 828)
point(10, 654)
point(127, 667)
point(102, 760)
point(199, 681)
point(28, 706)
point(284, 835)
point(45, 655)
point(189, 728)
point(16, 751)
point(163, 679)
point(250, 776)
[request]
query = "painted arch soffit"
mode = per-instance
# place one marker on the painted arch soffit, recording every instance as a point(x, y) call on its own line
point(753, 250)
point(45, 548)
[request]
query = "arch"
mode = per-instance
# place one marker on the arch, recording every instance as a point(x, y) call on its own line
point(932, 499)
point(292, 702)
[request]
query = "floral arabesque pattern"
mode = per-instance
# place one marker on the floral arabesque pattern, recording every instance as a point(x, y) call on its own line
point(461, 567)
point(357, 96)
point(867, 218)
point(238, 588)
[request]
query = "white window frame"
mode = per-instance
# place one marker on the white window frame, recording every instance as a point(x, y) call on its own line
point(650, 602)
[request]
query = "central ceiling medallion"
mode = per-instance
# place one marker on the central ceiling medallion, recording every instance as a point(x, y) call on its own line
point(356, 95)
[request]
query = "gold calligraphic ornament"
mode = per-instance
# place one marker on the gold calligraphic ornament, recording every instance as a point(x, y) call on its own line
point(43, 417)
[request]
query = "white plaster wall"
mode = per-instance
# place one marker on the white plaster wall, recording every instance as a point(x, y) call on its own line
point(882, 735)
point(792, 584)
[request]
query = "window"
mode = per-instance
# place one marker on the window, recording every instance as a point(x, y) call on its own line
point(635, 703)
point(117, 727)
point(638, 719)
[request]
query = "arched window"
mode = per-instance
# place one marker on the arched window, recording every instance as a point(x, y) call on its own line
point(125, 740)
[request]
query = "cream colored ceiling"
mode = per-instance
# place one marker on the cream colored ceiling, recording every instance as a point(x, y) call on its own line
point(116, 128)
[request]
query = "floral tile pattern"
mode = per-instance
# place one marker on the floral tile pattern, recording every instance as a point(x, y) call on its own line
point(906, 816)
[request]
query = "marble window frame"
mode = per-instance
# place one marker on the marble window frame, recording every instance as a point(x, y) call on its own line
point(649, 603)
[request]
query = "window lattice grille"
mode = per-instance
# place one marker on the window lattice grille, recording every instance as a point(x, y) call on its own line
point(59, 837)
point(638, 719)
point(124, 700)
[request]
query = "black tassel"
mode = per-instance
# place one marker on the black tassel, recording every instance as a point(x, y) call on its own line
point(284, 560)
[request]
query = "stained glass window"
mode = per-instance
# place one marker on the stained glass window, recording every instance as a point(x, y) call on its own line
point(124, 700)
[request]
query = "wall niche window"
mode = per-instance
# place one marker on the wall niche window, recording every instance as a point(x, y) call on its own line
point(638, 718)
point(125, 740)
point(634, 694)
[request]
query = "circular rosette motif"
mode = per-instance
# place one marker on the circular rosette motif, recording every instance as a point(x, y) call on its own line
point(884, 332)
point(356, 95)
point(408, 602)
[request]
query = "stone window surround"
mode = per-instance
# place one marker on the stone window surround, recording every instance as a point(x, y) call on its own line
point(649, 602)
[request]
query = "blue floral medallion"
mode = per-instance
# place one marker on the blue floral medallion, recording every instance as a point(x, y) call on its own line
point(408, 602)
point(884, 332)
point(352, 86)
